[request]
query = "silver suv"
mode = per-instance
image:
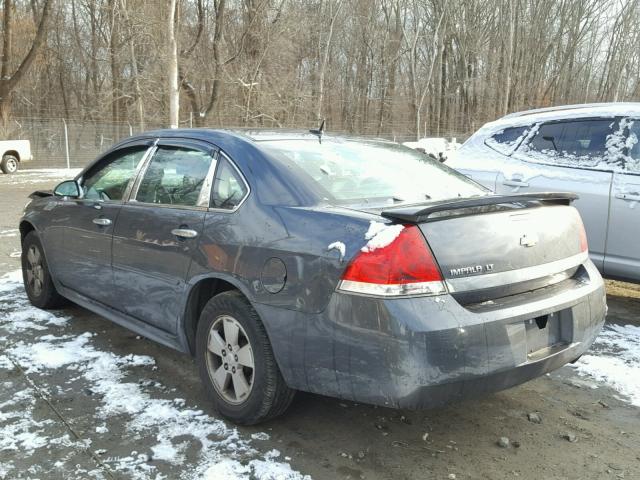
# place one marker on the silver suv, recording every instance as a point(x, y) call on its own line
point(592, 150)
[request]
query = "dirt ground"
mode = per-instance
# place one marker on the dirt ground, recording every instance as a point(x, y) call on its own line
point(587, 430)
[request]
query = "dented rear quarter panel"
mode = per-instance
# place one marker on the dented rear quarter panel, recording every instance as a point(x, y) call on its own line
point(238, 245)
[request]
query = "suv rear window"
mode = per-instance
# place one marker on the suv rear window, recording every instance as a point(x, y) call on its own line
point(367, 172)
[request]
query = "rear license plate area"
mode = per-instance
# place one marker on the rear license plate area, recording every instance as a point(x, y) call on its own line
point(546, 334)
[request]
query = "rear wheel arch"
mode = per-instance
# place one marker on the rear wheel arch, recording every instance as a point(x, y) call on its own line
point(199, 294)
point(13, 153)
point(25, 228)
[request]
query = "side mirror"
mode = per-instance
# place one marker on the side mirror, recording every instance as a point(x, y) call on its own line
point(68, 188)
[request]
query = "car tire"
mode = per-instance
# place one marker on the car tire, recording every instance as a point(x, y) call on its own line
point(9, 164)
point(37, 279)
point(222, 370)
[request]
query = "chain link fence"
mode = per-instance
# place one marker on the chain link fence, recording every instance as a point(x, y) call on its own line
point(60, 143)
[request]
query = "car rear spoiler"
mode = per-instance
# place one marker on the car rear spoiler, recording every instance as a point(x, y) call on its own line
point(421, 213)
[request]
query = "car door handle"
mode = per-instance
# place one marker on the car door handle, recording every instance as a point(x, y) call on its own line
point(184, 233)
point(630, 197)
point(515, 183)
point(103, 222)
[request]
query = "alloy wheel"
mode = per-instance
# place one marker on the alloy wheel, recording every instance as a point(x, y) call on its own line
point(35, 270)
point(230, 360)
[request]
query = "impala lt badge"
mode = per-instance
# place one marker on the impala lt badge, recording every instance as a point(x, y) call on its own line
point(456, 272)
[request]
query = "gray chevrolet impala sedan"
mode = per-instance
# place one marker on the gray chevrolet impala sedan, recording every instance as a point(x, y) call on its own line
point(289, 261)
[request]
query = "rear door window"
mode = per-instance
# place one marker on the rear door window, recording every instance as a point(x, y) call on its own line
point(629, 159)
point(576, 143)
point(229, 188)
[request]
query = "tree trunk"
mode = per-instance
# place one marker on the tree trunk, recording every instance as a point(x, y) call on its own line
point(9, 82)
point(323, 65)
point(134, 66)
point(116, 82)
point(216, 84)
point(508, 62)
point(172, 60)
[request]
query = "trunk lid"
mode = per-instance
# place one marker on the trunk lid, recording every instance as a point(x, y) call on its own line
point(495, 246)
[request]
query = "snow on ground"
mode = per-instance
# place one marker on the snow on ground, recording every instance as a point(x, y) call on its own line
point(12, 232)
point(39, 343)
point(39, 175)
point(614, 359)
point(176, 428)
point(20, 432)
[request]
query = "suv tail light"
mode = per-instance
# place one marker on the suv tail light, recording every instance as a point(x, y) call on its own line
point(404, 267)
point(584, 245)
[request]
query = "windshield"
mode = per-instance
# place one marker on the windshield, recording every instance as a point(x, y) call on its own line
point(353, 172)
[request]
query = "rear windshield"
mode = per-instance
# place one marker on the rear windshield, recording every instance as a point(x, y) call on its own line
point(352, 172)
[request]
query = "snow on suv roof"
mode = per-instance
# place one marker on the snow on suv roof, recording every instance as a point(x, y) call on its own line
point(579, 107)
point(527, 117)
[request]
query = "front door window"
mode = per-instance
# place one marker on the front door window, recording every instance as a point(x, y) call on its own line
point(575, 143)
point(110, 178)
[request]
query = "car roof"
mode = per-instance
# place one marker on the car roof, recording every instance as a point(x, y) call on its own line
point(243, 147)
point(561, 112)
point(248, 134)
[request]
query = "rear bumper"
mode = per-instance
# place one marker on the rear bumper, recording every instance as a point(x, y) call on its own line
point(430, 396)
point(428, 351)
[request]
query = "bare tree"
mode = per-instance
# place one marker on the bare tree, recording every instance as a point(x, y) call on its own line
point(172, 64)
point(8, 80)
point(334, 11)
point(397, 68)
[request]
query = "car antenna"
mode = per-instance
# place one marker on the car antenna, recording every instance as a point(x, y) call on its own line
point(318, 131)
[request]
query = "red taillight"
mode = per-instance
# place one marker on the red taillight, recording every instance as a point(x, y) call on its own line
point(584, 245)
point(404, 267)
